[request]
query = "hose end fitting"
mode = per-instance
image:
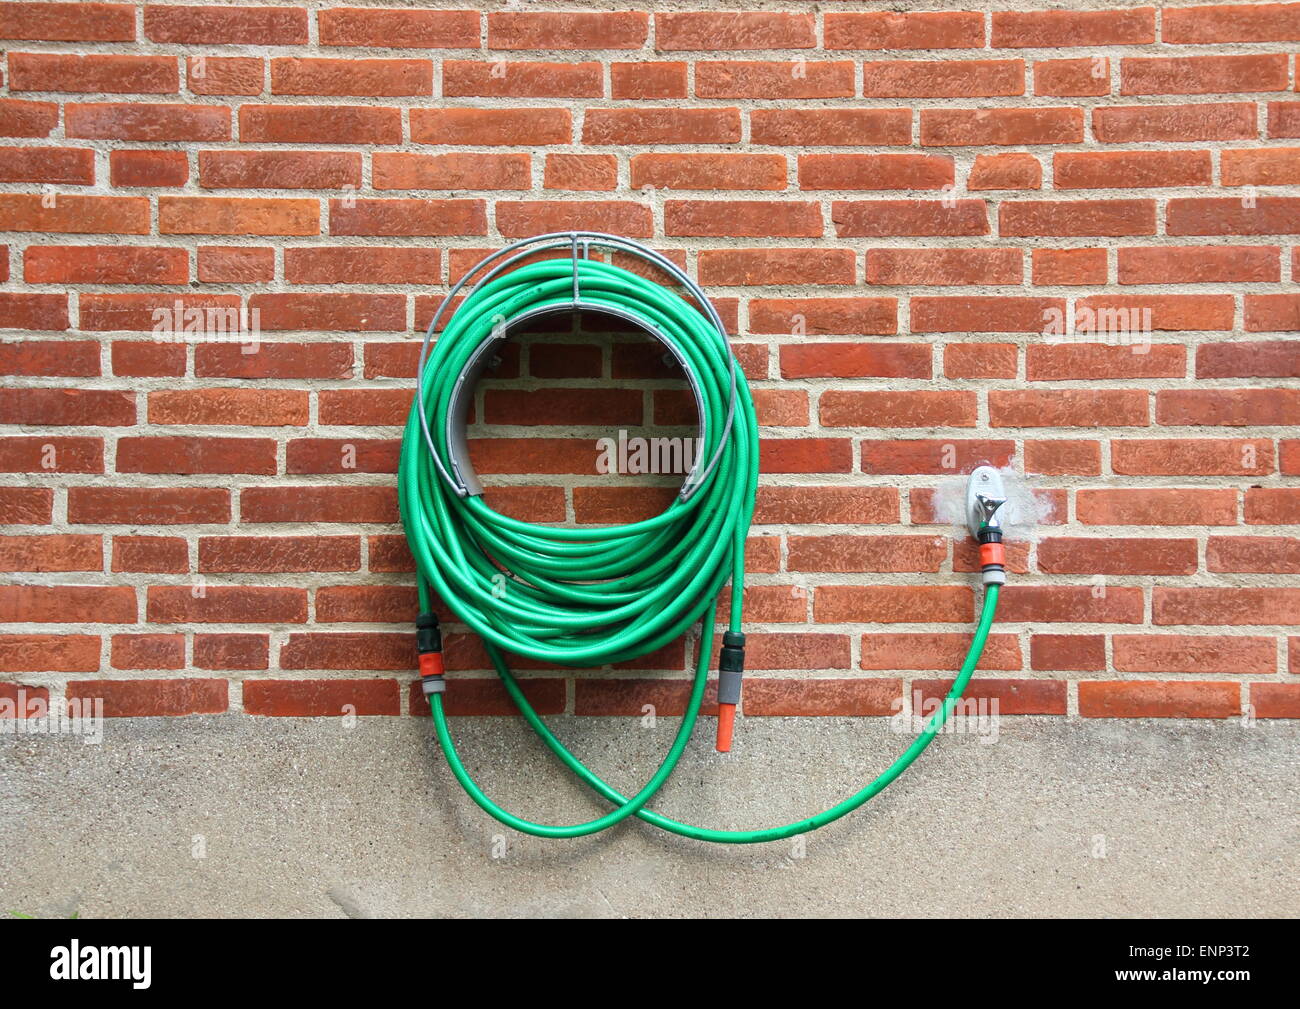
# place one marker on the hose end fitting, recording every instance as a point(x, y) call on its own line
point(428, 643)
point(993, 557)
point(731, 671)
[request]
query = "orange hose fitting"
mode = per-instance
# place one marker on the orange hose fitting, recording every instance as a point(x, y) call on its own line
point(992, 553)
point(726, 724)
point(431, 664)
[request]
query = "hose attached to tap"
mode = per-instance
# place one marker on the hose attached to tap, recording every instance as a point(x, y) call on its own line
point(591, 596)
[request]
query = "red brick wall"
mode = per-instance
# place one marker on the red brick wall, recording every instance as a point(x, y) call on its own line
point(887, 206)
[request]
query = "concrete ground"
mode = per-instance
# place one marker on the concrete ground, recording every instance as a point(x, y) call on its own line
point(306, 817)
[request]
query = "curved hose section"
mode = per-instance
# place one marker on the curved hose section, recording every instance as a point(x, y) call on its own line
point(636, 804)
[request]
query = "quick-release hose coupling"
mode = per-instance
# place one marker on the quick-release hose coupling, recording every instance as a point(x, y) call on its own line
point(731, 671)
point(428, 643)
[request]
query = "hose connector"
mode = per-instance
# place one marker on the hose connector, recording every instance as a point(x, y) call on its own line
point(428, 643)
point(731, 671)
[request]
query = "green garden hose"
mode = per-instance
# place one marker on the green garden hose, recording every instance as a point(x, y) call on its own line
point(591, 596)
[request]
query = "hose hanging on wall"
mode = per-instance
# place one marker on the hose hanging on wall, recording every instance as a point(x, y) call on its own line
point(590, 596)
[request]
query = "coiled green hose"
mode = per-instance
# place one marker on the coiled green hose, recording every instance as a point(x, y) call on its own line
point(593, 596)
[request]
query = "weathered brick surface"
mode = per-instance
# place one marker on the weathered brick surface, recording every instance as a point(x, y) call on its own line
point(1060, 241)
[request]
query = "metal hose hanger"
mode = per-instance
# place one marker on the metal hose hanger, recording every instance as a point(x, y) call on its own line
point(457, 470)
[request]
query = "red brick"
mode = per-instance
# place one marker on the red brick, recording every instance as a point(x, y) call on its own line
point(450, 171)
point(900, 218)
point(147, 698)
point(1005, 171)
point(148, 651)
point(1272, 506)
point(915, 408)
point(1199, 653)
point(357, 313)
point(319, 504)
point(658, 126)
point(219, 215)
point(874, 171)
point(385, 604)
point(893, 604)
point(231, 651)
point(1063, 457)
point(408, 217)
point(368, 265)
point(579, 172)
point(866, 553)
point(980, 360)
point(148, 168)
point(1251, 359)
point(1195, 264)
point(986, 314)
point(349, 651)
point(482, 696)
point(520, 78)
point(1069, 266)
point(1202, 75)
point(952, 79)
point(322, 698)
point(48, 653)
point(1012, 127)
point(71, 166)
point(707, 171)
point(647, 80)
point(279, 169)
point(1156, 699)
point(1269, 22)
point(1071, 604)
point(78, 215)
point(63, 552)
point(399, 29)
point(146, 121)
point(176, 604)
point(518, 219)
point(157, 554)
point(1062, 362)
point(1272, 313)
point(831, 127)
point(567, 30)
point(888, 30)
point(147, 506)
point(767, 80)
point(225, 75)
point(742, 218)
point(273, 360)
point(1157, 506)
point(49, 358)
point(822, 697)
point(97, 73)
point(1067, 407)
point(936, 651)
point(1275, 700)
point(826, 505)
point(41, 454)
point(58, 407)
point(235, 264)
point(1131, 169)
point(1275, 166)
point(319, 124)
point(140, 312)
point(939, 455)
point(1077, 555)
point(1129, 124)
point(74, 604)
point(855, 360)
point(1046, 29)
point(1230, 606)
point(821, 316)
point(1262, 554)
point(33, 311)
point(27, 119)
point(251, 407)
point(359, 77)
point(806, 455)
point(27, 505)
point(1068, 652)
point(998, 697)
point(944, 267)
point(1065, 218)
point(68, 22)
point(758, 267)
point(262, 26)
point(632, 696)
point(1192, 456)
point(1230, 407)
point(734, 30)
point(1072, 78)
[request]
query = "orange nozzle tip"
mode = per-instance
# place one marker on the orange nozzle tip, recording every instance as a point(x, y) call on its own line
point(726, 723)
